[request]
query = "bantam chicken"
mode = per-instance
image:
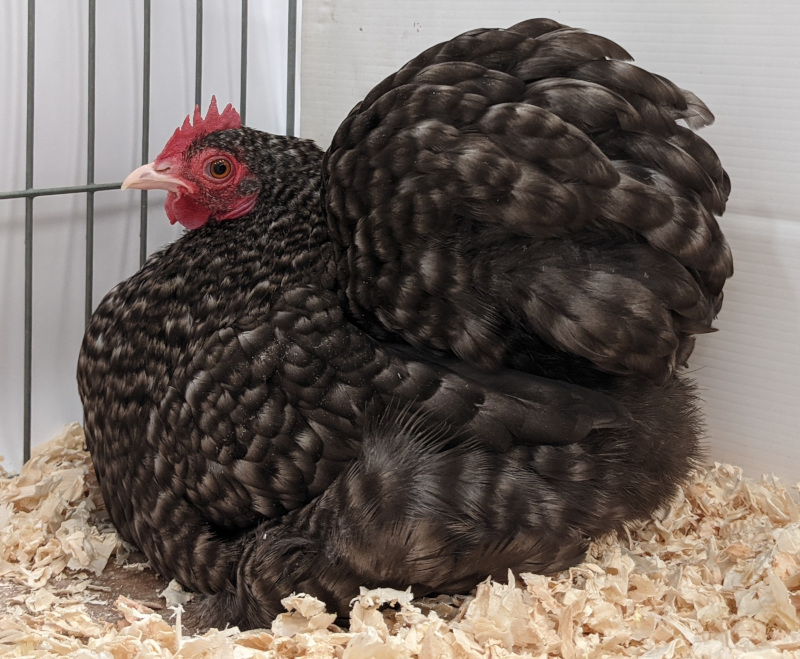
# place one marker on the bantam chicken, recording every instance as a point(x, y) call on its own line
point(446, 348)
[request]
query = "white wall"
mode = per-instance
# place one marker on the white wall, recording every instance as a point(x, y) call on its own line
point(60, 159)
point(741, 58)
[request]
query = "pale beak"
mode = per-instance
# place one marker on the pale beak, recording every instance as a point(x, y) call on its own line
point(147, 177)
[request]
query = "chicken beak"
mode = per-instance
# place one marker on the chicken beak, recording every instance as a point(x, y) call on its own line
point(147, 177)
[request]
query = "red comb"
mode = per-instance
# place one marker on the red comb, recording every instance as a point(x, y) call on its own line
point(189, 132)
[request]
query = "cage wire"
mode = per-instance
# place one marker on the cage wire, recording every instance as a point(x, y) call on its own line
point(31, 192)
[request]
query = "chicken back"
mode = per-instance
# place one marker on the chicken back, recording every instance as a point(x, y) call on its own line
point(527, 196)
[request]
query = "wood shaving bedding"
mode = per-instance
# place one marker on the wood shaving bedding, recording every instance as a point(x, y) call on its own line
point(717, 577)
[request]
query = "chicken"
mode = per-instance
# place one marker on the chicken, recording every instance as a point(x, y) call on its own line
point(444, 349)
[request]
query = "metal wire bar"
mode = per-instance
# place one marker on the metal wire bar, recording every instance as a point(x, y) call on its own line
point(198, 54)
point(32, 193)
point(291, 57)
point(28, 340)
point(243, 67)
point(90, 163)
point(145, 130)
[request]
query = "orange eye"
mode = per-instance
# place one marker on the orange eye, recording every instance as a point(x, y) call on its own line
point(220, 169)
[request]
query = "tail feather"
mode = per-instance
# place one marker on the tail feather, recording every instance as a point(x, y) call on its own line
point(625, 308)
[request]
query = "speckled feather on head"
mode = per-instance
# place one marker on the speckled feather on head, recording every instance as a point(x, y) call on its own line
point(448, 347)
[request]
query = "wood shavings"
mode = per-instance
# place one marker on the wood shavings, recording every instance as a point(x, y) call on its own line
point(175, 595)
point(716, 577)
point(48, 518)
point(305, 615)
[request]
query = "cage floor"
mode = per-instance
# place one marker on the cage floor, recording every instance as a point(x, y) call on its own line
point(717, 576)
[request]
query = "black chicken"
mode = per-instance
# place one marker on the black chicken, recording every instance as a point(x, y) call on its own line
point(445, 349)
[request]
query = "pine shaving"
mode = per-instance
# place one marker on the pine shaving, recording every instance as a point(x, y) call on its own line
point(716, 577)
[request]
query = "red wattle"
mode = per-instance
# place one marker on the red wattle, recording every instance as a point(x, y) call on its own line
point(186, 211)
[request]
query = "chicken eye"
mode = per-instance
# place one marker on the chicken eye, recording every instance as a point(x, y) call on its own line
point(220, 169)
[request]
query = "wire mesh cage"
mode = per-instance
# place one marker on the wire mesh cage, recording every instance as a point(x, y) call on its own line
point(728, 546)
point(207, 34)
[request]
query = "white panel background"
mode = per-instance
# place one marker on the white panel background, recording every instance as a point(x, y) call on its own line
point(741, 58)
point(60, 159)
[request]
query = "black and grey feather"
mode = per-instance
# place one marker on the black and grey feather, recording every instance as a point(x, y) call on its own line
point(530, 190)
point(443, 350)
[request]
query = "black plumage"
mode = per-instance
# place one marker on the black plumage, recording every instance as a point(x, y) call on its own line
point(528, 195)
point(445, 350)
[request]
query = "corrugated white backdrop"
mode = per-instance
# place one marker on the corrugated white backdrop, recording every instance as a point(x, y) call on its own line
point(60, 159)
point(741, 58)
